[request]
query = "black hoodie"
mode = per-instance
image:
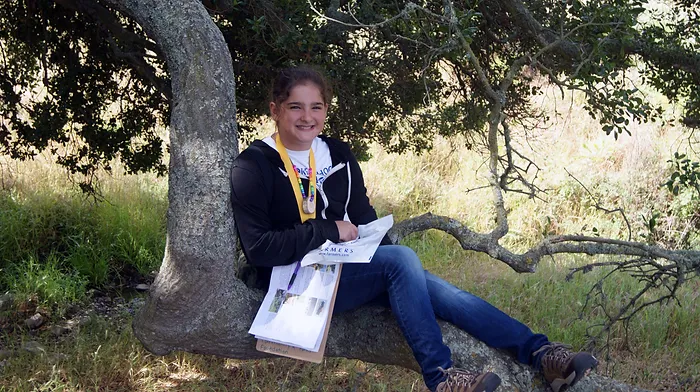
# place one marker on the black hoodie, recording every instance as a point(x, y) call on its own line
point(266, 214)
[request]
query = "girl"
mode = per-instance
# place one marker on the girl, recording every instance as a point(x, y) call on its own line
point(295, 189)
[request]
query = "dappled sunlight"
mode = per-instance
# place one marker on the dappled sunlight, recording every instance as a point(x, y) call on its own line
point(187, 375)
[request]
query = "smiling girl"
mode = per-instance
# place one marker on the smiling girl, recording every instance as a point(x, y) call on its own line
point(296, 189)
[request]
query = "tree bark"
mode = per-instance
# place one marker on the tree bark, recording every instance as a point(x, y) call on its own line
point(689, 260)
point(196, 303)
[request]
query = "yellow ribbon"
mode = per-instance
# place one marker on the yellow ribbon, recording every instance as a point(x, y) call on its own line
point(294, 177)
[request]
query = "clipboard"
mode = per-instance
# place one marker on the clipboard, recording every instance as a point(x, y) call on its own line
point(285, 350)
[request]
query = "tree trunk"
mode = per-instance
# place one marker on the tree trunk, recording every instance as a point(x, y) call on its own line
point(196, 303)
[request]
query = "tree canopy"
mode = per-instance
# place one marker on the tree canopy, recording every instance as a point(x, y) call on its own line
point(84, 80)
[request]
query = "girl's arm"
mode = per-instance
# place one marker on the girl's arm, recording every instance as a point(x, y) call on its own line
point(263, 244)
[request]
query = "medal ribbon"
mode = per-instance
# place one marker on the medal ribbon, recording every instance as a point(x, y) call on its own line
point(297, 186)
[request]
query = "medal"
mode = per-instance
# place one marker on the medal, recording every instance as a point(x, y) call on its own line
point(309, 205)
point(305, 203)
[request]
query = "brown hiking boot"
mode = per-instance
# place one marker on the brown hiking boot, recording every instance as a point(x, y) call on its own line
point(563, 368)
point(460, 380)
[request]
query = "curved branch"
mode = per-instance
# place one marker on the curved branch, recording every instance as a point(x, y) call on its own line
point(527, 261)
point(522, 17)
point(136, 57)
point(569, 50)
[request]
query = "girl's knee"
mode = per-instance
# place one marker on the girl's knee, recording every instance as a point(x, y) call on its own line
point(401, 258)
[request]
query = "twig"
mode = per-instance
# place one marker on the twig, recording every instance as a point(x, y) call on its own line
point(608, 211)
point(410, 6)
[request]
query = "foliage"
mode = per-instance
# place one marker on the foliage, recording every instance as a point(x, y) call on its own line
point(685, 174)
point(402, 77)
point(67, 86)
point(83, 80)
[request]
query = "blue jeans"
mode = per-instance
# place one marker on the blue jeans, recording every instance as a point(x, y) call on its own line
point(396, 278)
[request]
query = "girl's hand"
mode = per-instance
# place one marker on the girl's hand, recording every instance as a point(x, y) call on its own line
point(346, 230)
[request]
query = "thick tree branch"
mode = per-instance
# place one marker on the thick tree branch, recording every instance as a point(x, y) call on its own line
point(527, 261)
point(495, 119)
point(108, 21)
point(496, 116)
point(682, 60)
point(136, 45)
point(572, 52)
point(522, 17)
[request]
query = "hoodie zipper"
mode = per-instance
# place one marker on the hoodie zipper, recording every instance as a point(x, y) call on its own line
point(323, 193)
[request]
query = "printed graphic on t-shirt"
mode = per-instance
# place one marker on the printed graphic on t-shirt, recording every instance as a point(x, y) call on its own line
point(321, 173)
point(300, 159)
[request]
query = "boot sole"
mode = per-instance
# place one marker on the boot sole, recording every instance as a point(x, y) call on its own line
point(581, 365)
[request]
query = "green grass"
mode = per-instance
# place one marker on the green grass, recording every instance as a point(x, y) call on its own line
point(658, 350)
point(102, 241)
point(46, 283)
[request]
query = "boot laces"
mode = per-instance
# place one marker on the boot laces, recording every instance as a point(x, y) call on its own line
point(556, 356)
point(458, 378)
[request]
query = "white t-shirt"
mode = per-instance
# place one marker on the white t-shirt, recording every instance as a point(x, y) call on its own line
point(300, 159)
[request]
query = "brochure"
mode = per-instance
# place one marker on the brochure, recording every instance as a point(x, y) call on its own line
point(295, 314)
point(360, 250)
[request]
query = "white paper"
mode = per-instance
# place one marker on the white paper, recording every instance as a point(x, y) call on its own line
point(360, 250)
point(297, 316)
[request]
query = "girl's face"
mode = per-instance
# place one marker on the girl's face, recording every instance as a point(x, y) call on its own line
point(300, 118)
